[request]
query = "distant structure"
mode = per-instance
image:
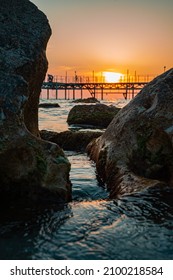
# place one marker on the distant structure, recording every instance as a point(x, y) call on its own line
point(129, 86)
point(50, 78)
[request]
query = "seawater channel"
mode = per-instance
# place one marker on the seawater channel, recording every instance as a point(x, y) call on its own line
point(138, 226)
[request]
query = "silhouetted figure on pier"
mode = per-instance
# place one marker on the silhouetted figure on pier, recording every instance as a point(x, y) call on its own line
point(50, 78)
point(76, 78)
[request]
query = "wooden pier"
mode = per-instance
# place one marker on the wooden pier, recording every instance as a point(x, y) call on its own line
point(128, 89)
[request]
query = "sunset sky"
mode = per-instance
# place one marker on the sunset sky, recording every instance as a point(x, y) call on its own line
point(109, 35)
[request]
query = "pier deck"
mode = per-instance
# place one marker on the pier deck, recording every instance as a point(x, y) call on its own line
point(128, 89)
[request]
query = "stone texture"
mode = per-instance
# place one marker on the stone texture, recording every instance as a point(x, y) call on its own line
point(29, 166)
point(48, 105)
point(70, 140)
point(136, 150)
point(24, 32)
point(98, 115)
point(86, 100)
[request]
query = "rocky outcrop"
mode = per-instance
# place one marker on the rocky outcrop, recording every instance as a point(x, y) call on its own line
point(29, 167)
point(86, 100)
point(136, 150)
point(71, 140)
point(48, 105)
point(99, 115)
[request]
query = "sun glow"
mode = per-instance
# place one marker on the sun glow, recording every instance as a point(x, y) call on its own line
point(112, 77)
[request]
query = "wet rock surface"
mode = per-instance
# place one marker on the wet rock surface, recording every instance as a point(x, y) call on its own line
point(29, 166)
point(136, 150)
point(99, 115)
point(70, 140)
point(48, 105)
point(86, 100)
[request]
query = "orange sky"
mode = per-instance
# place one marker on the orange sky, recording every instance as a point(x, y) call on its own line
point(109, 35)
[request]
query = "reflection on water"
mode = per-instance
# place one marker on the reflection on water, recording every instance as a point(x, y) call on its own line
point(138, 226)
point(83, 177)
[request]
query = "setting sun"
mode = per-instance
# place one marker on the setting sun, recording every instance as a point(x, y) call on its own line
point(112, 77)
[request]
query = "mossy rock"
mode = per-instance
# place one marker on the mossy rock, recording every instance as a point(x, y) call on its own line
point(98, 115)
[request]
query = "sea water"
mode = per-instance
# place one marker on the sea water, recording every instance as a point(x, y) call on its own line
point(137, 226)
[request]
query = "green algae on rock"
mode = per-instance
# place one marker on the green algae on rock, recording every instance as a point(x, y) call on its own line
point(99, 115)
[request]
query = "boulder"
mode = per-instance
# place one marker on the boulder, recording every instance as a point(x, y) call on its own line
point(48, 105)
point(71, 140)
point(86, 100)
point(29, 167)
point(98, 115)
point(136, 150)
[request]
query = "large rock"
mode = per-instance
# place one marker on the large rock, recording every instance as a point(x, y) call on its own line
point(71, 140)
point(99, 115)
point(136, 150)
point(86, 100)
point(29, 166)
point(48, 105)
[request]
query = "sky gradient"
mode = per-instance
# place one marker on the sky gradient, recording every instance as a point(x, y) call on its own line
point(109, 35)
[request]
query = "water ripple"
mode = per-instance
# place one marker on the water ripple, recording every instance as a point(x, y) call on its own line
point(138, 226)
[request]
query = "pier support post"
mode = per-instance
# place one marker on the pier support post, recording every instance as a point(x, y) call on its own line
point(73, 93)
point(126, 91)
point(65, 93)
point(102, 93)
point(94, 91)
point(81, 93)
point(56, 92)
point(133, 92)
point(48, 93)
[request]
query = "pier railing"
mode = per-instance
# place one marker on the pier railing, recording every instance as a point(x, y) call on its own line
point(97, 79)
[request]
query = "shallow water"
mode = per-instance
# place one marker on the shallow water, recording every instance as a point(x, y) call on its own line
point(138, 226)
